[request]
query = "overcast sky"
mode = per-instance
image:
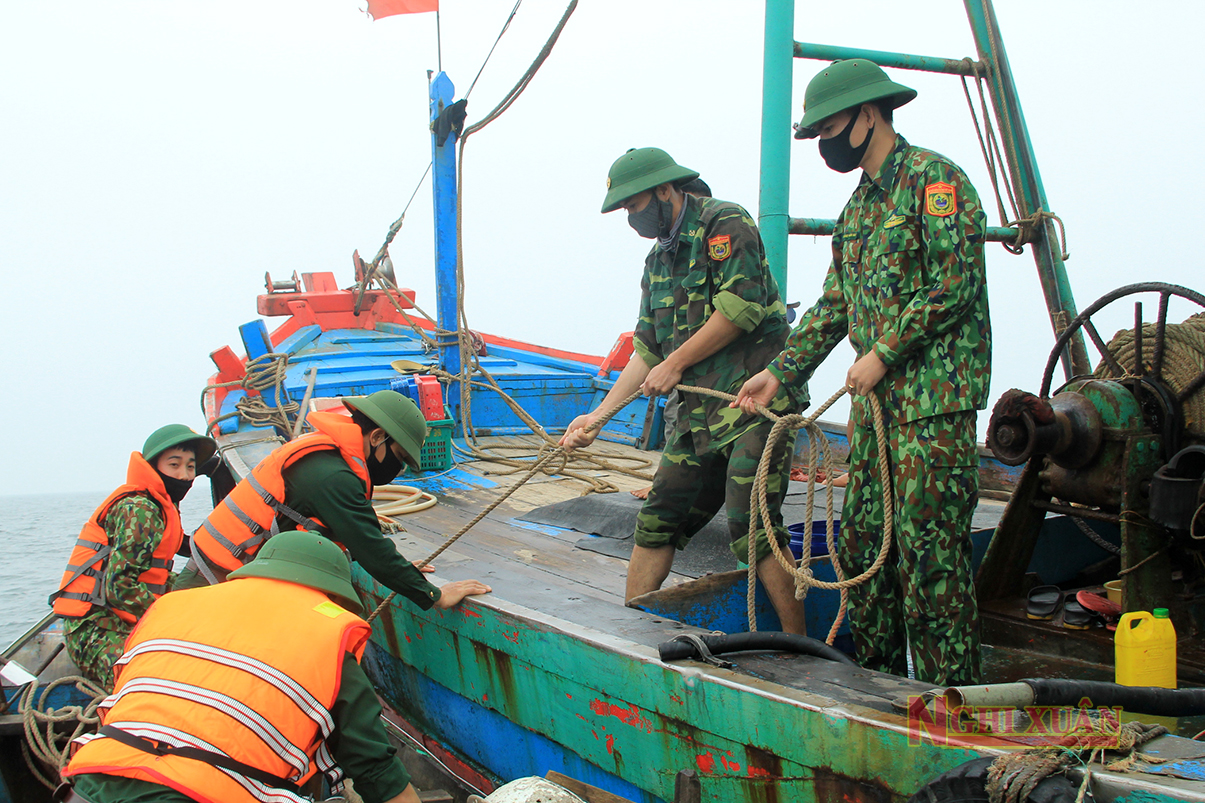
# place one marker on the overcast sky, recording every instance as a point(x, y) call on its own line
point(156, 158)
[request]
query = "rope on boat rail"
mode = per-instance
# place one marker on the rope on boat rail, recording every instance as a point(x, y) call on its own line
point(1011, 777)
point(266, 372)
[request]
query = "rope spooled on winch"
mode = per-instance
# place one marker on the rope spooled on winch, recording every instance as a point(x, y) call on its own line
point(1182, 361)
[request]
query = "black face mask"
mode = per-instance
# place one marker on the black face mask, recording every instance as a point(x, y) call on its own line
point(654, 220)
point(383, 472)
point(838, 154)
point(176, 489)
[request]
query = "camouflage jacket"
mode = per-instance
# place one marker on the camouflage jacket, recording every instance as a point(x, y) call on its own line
point(906, 282)
point(135, 526)
point(719, 266)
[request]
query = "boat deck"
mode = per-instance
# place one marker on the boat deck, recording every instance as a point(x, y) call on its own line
point(545, 569)
point(541, 568)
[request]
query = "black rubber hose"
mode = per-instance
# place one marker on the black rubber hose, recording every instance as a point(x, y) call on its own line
point(1135, 699)
point(737, 642)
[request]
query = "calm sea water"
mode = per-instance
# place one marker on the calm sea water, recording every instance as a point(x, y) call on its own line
point(36, 537)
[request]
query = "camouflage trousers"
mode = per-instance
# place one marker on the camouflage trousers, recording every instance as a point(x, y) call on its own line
point(923, 595)
point(95, 650)
point(689, 489)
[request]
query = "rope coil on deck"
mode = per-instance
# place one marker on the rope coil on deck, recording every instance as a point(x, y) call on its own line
point(42, 741)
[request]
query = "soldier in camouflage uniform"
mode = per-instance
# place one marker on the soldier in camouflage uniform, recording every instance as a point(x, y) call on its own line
point(710, 316)
point(103, 594)
point(907, 285)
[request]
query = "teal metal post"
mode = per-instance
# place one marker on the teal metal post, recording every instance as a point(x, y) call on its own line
point(777, 67)
point(443, 187)
point(883, 58)
point(1024, 169)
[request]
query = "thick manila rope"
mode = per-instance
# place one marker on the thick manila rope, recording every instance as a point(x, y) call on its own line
point(759, 507)
point(760, 510)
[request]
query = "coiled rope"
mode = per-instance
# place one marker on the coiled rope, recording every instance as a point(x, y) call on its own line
point(43, 740)
point(819, 456)
point(264, 373)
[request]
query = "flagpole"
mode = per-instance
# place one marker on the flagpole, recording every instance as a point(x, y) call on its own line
point(439, 58)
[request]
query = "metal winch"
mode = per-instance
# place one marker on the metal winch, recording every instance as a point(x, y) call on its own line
point(1124, 445)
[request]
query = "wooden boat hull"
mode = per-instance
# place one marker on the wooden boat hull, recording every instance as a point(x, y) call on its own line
point(520, 692)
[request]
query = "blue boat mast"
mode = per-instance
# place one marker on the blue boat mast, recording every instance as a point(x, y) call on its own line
point(444, 190)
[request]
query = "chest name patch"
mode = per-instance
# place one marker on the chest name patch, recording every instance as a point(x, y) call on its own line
point(719, 248)
point(940, 199)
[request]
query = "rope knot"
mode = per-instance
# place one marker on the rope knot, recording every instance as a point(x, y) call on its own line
point(1027, 228)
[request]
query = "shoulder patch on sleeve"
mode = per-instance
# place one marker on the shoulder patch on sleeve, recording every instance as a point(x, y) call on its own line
point(720, 247)
point(940, 199)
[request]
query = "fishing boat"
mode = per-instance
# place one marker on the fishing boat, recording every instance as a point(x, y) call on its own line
point(552, 673)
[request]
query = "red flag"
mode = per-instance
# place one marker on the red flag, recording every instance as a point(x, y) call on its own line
point(387, 8)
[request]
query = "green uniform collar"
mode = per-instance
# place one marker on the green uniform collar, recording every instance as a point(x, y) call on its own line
point(885, 178)
point(690, 222)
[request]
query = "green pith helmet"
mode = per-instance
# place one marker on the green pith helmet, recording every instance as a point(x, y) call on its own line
point(308, 559)
point(165, 438)
point(843, 85)
point(638, 170)
point(399, 417)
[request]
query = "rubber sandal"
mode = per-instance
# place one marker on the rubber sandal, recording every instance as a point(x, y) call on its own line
point(1043, 602)
point(1076, 616)
point(1098, 603)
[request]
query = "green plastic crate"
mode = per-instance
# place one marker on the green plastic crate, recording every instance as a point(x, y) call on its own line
point(436, 453)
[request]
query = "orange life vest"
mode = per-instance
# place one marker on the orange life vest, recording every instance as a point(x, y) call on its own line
point(83, 583)
point(247, 694)
point(243, 521)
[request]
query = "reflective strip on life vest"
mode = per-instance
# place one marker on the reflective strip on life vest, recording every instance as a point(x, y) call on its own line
point(236, 550)
point(325, 763)
point(288, 752)
point(178, 738)
point(269, 674)
point(87, 568)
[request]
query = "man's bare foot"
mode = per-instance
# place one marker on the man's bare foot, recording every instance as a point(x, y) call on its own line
point(839, 480)
point(642, 493)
